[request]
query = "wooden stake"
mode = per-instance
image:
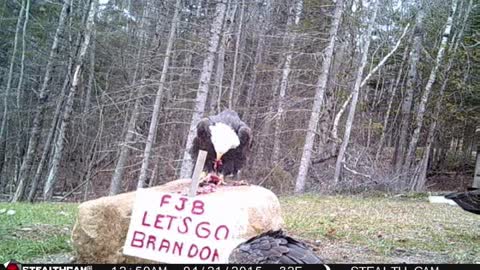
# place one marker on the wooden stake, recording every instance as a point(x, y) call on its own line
point(202, 156)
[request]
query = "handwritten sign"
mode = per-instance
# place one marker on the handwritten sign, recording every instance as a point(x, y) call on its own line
point(173, 228)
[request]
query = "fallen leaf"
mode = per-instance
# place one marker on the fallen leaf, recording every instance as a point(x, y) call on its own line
point(332, 232)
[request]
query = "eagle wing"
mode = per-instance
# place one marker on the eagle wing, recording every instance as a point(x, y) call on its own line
point(245, 136)
point(273, 247)
point(203, 130)
point(202, 142)
point(468, 200)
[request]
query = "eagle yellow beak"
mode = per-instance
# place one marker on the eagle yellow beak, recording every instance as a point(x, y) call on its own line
point(219, 156)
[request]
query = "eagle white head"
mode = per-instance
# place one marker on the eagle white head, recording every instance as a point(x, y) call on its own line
point(223, 138)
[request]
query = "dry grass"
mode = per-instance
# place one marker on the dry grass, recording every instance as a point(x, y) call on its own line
point(381, 229)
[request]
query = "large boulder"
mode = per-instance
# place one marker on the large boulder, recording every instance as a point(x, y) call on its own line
point(102, 224)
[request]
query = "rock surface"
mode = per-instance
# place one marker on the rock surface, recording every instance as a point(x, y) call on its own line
point(102, 224)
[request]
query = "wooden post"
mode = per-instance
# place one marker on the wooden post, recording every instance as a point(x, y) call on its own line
point(476, 176)
point(202, 156)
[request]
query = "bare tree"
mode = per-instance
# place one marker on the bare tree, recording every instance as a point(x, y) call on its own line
point(394, 87)
point(54, 121)
point(216, 96)
point(410, 87)
point(355, 92)
point(60, 142)
point(51, 133)
point(293, 20)
point(419, 180)
point(42, 97)
point(364, 81)
point(116, 181)
point(235, 57)
point(263, 26)
point(476, 178)
point(203, 86)
point(22, 61)
point(3, 127)
point(140, 97)
point(338, 116)
point(156, 107)
point(410, 157)
point(20, 91)
point(91, 75)
point(318, 100)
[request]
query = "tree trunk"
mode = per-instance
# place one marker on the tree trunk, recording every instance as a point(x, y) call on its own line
point(252, 86)
point(410, 157)
point(476, 177)
point(116, 182)
point(466, 147)
point(156, 107)
point(129, 125)
point(395, 86)
point(410, 87)
point(38, 118)
point(235, 57)
point(91, 76)
point(259, 52)
point(318, 100)
point(20, 123)
point(22, 61)
point(46, 150)
point(418, 183)
point(203, 87)
point(216, 97)
point(294, 18)
point(338, 116)
point(364, 81)
point(3, 126)
point(264, 142)
point(243, 70)
point(129, 10)
point(355, 92)
point(59, 144)
point(51, 133)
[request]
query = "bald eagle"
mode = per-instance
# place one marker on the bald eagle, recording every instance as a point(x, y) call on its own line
point(468, 200)
point(227, 140)
point(273, 247)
